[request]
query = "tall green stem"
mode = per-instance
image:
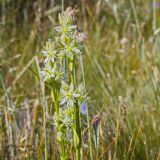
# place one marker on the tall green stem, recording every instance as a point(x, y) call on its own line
point(77, 129)
point(136, 20)
point(62, 5)
point(56, 103)
point(65, 59)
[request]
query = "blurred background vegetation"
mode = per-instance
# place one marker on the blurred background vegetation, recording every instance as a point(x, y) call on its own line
point(121, 58)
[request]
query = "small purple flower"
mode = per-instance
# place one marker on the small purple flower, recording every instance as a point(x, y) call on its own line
point(84, 108)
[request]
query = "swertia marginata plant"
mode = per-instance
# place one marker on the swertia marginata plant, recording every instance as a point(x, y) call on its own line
point(59, 72)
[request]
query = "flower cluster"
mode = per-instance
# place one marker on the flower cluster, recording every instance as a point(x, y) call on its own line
point(69, 39)
point(51, 70)
point(66, 119)
point(69, 95)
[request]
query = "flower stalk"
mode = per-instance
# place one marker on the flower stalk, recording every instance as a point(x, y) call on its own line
point(77, 131)
point(77, 128)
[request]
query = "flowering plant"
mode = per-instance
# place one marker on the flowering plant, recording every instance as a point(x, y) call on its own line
point(60, 58)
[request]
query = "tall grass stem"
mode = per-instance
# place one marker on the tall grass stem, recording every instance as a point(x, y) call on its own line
point(62, 1)
point(44, 109)
point(136, 19)
point(88, 123)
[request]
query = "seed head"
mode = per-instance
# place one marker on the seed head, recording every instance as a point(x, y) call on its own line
point(96, 121)
point(70, 12)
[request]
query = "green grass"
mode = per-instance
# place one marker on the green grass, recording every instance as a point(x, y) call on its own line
point(121, 58)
